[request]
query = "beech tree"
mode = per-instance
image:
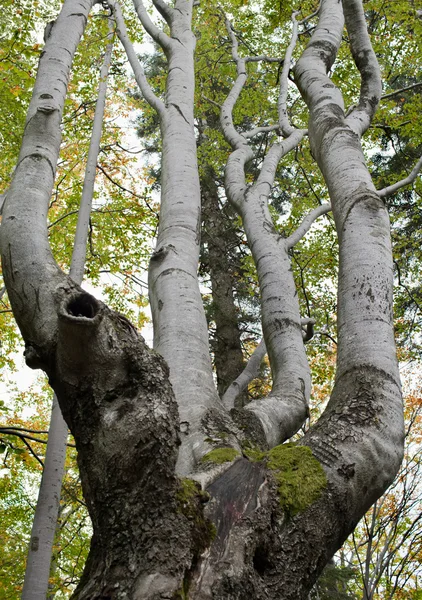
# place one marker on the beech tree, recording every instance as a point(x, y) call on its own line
point(189, 496)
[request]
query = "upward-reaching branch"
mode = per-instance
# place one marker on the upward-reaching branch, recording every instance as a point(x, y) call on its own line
point(157, 34)
point(164, 9)
point(285, 126)
point(234, 138)
point(306, 224)
point(44, 525)
point(362, 454)
point(366, 61)
point(282, 413)
point(138, 71)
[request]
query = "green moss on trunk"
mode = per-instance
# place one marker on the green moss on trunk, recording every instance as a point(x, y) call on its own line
point(220, 455)
point(299, 476)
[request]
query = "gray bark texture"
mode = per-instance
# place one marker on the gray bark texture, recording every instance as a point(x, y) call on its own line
point(168, 520)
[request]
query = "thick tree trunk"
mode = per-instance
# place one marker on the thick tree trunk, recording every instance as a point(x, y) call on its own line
point(176, 303)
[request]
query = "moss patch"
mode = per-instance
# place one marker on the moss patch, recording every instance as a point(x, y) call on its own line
point(190, 499)
point(219, 456)
point(253, 452)
point(299, 476)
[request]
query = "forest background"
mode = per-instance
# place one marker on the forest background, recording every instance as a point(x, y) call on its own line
point(382, 559)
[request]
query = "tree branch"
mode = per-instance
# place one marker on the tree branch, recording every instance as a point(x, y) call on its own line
point(264, 129)
point(306, 224)
point(233, 137)
point(391, 189)
point(137, 69)
point(367, 64)
point(286, 128)
point(21, 433)
point(405, 89)
point(249, 373)
point(164, 9)
point(77, 264)
point(276, 153)
point(124, 189)
point(157, 35)
point(263, 58)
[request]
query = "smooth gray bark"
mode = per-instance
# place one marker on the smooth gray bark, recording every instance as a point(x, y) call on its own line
point(37, 571)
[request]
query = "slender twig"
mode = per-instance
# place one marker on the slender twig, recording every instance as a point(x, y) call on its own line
point(120, 186)
point(405, 89)
point(16, 428)
point(22, 436)
point(391, 189)
point(306, 224)
point(69, 214)
point(311, 16)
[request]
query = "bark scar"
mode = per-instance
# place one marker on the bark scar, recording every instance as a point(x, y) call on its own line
point(179, 110)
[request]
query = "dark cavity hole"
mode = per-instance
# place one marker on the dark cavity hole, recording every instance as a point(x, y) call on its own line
point(261, 562)
point(83, 306)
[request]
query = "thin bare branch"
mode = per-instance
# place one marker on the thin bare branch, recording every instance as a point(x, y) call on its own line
point(211, 101)
point(306, 224)
point(263, 58)
point(138, 71)
point(391, 189)
point(15, 428)
point(311, 16)
point(24, 436)
point(265, 129)
point(249, 373)
point(405, 89)
point(283, 119)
